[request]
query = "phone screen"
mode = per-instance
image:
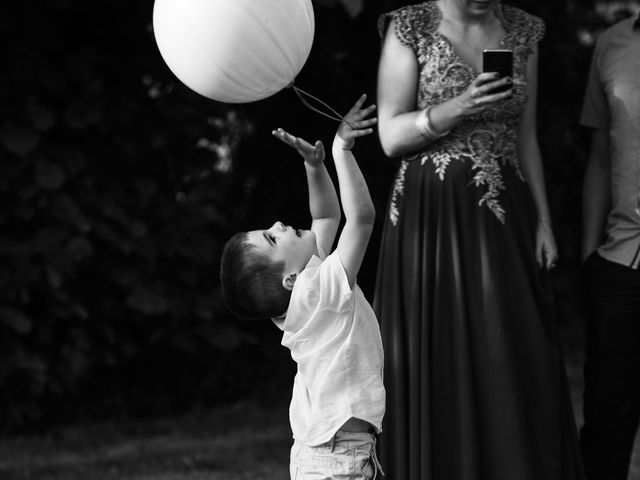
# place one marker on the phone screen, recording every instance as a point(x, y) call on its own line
point(500, 61)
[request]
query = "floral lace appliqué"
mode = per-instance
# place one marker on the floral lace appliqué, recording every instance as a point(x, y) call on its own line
point(398, 188)
point(487, 141)
point(440, 161)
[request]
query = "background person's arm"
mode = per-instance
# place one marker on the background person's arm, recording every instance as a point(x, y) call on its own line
point(596, 192)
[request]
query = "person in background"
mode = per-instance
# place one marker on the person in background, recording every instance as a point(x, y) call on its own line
point(338, 397)
point(611, 253)
point(476, 386)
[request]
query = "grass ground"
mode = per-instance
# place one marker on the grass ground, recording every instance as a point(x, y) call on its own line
point(246, 441)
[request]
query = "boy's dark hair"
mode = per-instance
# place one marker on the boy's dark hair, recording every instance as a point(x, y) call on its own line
point(251, 284)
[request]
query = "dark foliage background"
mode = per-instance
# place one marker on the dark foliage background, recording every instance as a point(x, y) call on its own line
point(119, 186)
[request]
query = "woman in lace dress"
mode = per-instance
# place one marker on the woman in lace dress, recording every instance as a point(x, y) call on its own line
point(476, 388)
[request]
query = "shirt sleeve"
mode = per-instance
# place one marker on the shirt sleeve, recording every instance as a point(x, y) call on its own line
point(595, 109)
point(322, 294)
point(334, 287)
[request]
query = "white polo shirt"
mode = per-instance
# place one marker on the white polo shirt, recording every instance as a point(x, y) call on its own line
point(335, 340)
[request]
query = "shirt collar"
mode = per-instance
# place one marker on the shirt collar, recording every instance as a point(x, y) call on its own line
point(279, 321)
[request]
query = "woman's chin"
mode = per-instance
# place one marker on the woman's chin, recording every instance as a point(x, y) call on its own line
point(479, 7)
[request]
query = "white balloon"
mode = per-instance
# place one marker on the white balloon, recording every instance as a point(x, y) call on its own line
point(234, 50)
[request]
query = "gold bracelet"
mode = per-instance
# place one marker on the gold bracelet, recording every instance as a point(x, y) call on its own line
point(422, 126)
point(433, 131)
point(425, 127)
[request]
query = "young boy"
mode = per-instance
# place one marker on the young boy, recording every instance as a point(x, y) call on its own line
point(338, 396)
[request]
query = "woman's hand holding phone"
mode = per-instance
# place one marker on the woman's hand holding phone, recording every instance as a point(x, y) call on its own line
point(481, 93)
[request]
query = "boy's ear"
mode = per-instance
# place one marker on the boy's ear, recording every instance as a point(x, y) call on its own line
point(289, 280)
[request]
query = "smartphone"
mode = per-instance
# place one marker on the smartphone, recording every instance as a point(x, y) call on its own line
point(500, 61)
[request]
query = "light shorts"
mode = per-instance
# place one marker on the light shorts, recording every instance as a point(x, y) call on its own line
point(347, 456)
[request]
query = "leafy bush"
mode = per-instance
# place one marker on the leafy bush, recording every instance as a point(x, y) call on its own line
point(115, 188)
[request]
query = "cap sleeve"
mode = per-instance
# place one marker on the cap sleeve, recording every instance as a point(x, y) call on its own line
point(536, 30)
point(410, 23)
point(595, 109)
point(402, 26)
point(525, 30)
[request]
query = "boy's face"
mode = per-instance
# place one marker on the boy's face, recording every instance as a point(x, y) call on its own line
point(285, 244)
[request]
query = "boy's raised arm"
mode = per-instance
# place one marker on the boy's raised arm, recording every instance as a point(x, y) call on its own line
point(323, 200)
point(358, 208)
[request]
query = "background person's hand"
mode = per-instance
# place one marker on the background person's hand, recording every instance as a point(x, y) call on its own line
point(478, 96)
point(546, 248)
point(312, 154)
point(355, 123)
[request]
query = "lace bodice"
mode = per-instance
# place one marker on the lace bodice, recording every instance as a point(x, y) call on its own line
point(486, 141)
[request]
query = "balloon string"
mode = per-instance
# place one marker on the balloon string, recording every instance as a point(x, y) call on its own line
point(336, 116)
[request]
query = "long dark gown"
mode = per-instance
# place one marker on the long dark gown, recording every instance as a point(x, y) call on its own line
point(476, 387)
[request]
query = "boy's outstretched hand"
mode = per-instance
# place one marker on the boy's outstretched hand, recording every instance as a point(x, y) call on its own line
point(355, 123)
point(312, 154)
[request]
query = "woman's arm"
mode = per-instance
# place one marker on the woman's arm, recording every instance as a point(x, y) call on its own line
point(397, 89)
point(531, 162)
point(528, 148)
